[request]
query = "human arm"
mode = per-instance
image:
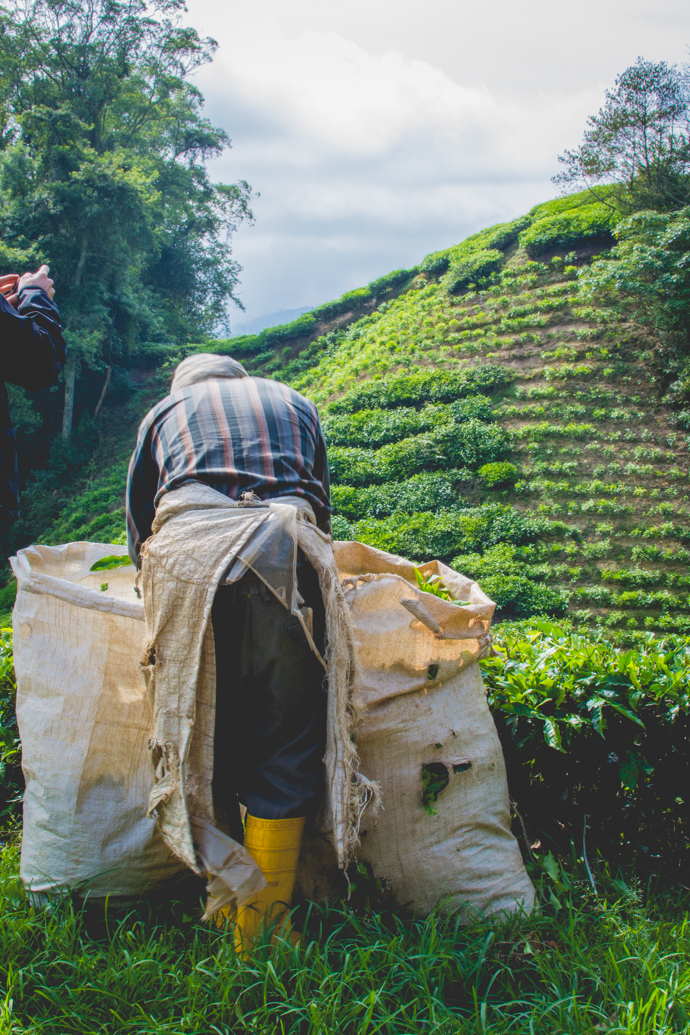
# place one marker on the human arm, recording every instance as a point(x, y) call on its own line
point(32, 349)
point(142, 486)
point(322, 474)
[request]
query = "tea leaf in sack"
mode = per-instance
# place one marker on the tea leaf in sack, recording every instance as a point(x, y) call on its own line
point(115, 560)
point(434, 780)
point(434, 584)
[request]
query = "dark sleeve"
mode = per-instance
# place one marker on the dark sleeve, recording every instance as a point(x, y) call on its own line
point(142, 486)
point(322, 474)
point(32, 349)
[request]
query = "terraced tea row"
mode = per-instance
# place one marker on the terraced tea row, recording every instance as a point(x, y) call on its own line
point(446, 389)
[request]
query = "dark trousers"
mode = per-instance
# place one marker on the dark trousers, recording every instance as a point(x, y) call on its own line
point(270, 734)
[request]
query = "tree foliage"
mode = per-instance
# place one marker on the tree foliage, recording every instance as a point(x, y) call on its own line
point(103, 154)
point(103, 175)
point(639, 141)
point(646, 279)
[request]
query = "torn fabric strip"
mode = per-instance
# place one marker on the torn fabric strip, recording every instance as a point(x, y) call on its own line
point(202, 539)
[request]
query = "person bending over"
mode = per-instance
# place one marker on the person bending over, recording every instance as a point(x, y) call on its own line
point(241, 434)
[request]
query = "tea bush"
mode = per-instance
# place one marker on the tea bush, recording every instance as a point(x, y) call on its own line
point(543, 429)
point(473, 443)
point(378, 427)
point(421, 387)
point(270, 338)
point(393, 462)
point(441, 490)
point(499, 237)
point(508, 582)
point(392, 280)
point(478, 407)
point(470, 444)
point(498, 474)
point(597, 734)
point(470, 268)
point(568, 229)
point(426, 535)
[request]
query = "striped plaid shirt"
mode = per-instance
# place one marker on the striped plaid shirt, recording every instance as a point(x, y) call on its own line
point(234, 434)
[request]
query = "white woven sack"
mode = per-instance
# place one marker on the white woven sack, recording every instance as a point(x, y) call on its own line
point(84, 720)
point(421, 699)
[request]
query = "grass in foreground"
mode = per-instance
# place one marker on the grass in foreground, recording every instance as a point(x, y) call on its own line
point(596, 965)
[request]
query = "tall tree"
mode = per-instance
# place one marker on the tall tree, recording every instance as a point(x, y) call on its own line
point(639, 141)
point(103, 174)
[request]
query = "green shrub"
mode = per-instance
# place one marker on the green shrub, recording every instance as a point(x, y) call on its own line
point(580, 199)
point(469, 444)
point(8, 596)
point(467, 269)
point(437, 262)
point(543, 429)
point(393, 462)
point(612, 507)
point(473, 443)
point(568, 229)
point(425, 536)
point(633, 576)
point(422, 386)
point(498, 474)
point(378, 427)
point(419, 537)
point(351, 300)
point(517, 596)
point(507, 581)
point(479, 407)
point(341, 528)
point(270, 338)
point(392, 280)
point(500, 237)
point(597, 734)
point(425, 491)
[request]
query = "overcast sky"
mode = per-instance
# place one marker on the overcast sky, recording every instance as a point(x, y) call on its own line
point(377, 131)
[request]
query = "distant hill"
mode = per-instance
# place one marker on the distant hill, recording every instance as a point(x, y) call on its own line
point(477, 412)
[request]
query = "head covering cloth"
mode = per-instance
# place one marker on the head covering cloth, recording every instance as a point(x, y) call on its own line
point(203, 366)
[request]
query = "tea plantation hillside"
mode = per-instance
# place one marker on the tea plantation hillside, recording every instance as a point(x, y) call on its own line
point(478, 411)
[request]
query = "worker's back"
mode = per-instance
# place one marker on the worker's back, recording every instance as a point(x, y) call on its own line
point(236, 434)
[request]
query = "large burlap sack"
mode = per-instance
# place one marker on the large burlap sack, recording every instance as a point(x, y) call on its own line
point(84, 720)
point(422, 703)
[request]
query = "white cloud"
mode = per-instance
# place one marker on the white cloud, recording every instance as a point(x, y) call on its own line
point(366, 160)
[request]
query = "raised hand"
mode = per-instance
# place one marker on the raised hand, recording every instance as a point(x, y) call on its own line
point(8, 284)
point(38, 279)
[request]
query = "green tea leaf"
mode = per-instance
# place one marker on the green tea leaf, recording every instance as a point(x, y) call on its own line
point(552, 735)
point(115, 560)
point(629, 774)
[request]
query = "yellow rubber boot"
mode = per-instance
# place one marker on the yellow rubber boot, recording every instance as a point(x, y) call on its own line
point(274, 844)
